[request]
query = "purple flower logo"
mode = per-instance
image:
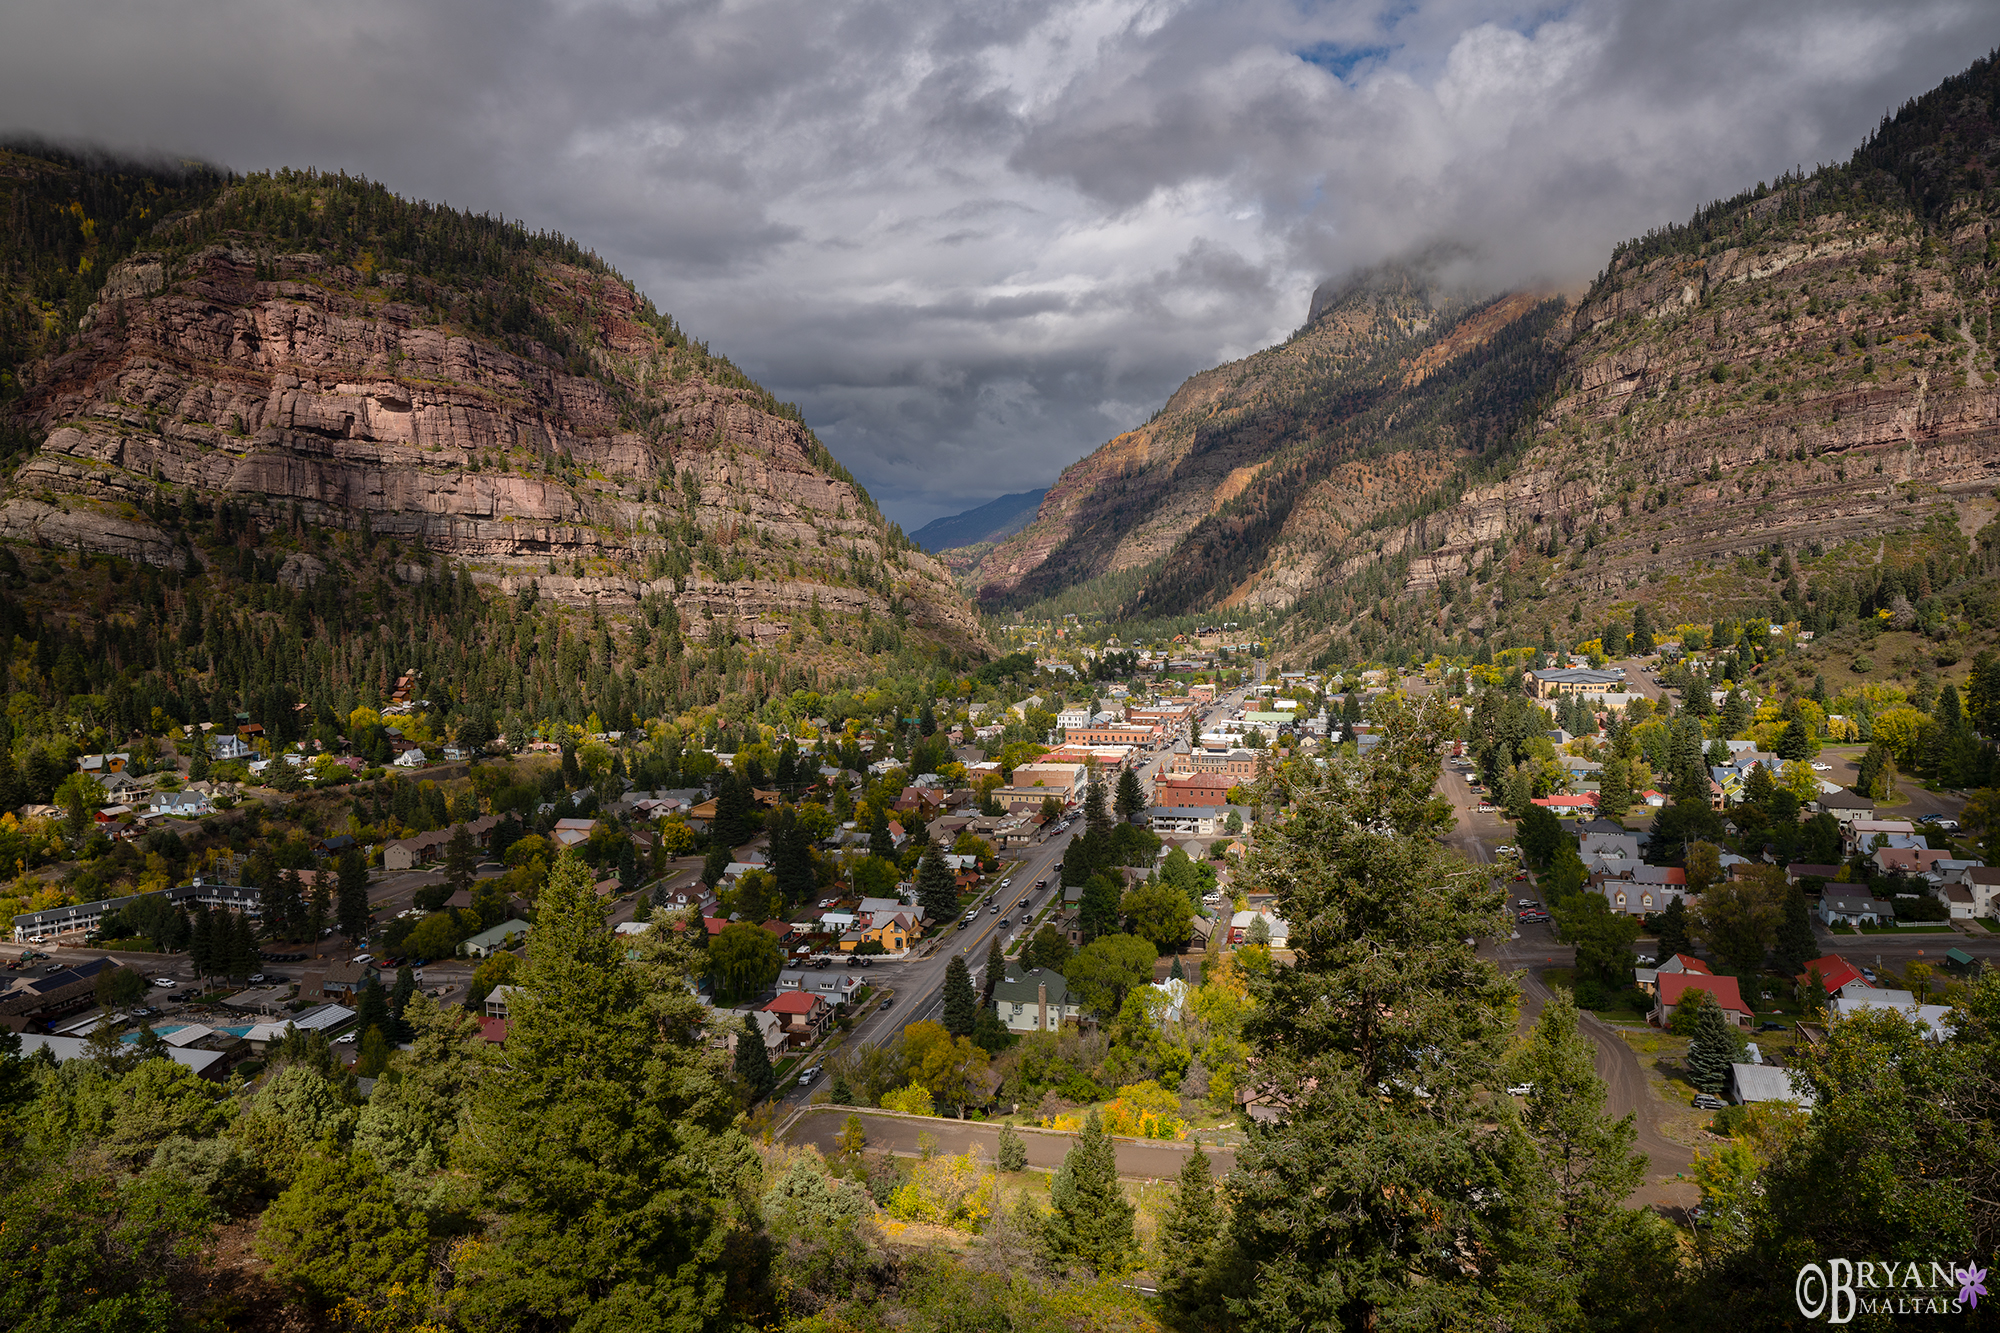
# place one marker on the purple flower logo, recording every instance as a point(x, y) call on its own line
point(1971, 1285)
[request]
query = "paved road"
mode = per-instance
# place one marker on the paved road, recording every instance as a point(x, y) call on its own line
point(1138, 1159)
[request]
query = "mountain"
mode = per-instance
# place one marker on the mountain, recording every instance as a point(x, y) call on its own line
point(1800, 377)
point(312, 352)
point(990, 522)
point(1133, 500)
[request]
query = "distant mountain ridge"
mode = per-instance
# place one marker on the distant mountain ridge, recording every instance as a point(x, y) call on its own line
point(996, 520)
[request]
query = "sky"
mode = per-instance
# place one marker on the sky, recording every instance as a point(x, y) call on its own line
point(973, 241)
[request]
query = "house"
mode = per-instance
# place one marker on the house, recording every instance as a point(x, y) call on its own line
point(1768, 1083)
point(1983, 882)
point(833, 987)
point(1569, 805)
point(411, 758)
point(1843, 805)
point(1037, 1001)
point(498, 999)
point(572, 832)
point(1673, 985)
point(1907, 860)
point(228, 748)
point(496, 938)
point(1861, 834)
point(101, 765)
point(1801, 870)
point(1958, 901)
point(1647, 890)
point(180, 805)
point(341, 980)
point(206, 1064)
point(804, 1015)
point(1196, 791)
point(1935, 1021)
point(493, 1031)
point(770, 1028)
point(1648, 977)
point(1835, 973)
point(1857, 910)
point(1280, 930)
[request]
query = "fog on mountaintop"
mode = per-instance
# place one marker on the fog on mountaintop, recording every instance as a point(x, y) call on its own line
point(973, 244)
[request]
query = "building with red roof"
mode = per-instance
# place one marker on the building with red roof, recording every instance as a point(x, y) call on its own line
point(1834, 973)
point(805, 1015)
point(1673, 985)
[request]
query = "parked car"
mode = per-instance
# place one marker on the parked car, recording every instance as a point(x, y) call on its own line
point(1707, 1102)
point(347, 1039)
point(364, 958)
point(1519, 1089)
point(1770, 1027)
point(258, 978)
point(165, 983)
point(807, 1076)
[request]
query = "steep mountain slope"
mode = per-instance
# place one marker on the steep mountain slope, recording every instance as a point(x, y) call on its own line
point(1134, 499)
point(318, 353)
point(1796, 371)
point(993, 521)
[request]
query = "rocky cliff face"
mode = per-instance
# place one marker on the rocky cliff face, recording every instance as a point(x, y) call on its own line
point(545, 424)
point(1805, 369)
point(1129, 503)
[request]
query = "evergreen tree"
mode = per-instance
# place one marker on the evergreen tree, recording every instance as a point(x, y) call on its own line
point(201, 942)
point(842, 1094)
point(319, 905)
point(1614, 792)
point(372, 1007)
point(791, 855)
point(1796, 944)
point(937, 888)
point(996, 968)
point(1012, 1154)
point(1090, 1219)
point(399, 1001)
point(1713, 1049)
point(735, 820)
point(1642, 630)
point(1131, 802)
point(236, 945)
point(961, 1005)
point(1674, 931)
point(461, 862)
point(284, 903)
point(374, 1054)
point(880, 841)
point(1585, 1168)
point(1190, 1241)
point(753, 1063)
point(352, 892)
point(1096, 818)
point(1382, 1038)
point(603, 1121)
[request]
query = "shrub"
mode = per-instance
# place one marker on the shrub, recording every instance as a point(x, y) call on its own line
point(913, 1100)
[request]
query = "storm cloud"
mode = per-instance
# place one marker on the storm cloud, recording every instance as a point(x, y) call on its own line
point(973, 241)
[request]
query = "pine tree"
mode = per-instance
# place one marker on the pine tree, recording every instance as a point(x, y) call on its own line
point(352, 891)
point(319, 905)
point(243, 956)
point(1131, 802)
point(1796, 944)
point(880, 842)
point(374, 1057)
point(201, 942)
point(937, 889)
point(372, 1008)
point(399, 1000)
point(1642, 630)
point(461, 861)
point(1614, 793)
point(1190, 1243)
point(1013, 1152)
point(1672, 928)
point(753, 1063)
point(842, 1094)
point(1713, 1049)
point(1090, 1219)
point(961, 1005)
point(291, 905)
point(996, 967)
point(1096, 819)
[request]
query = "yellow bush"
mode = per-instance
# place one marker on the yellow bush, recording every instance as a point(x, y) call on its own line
point(1140, 1111)
point(915, 1100)
point(946, 1192)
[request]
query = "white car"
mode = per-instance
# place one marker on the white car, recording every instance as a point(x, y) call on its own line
point(1520, 1089)
point(1822, 768)
point(364, 958)
point(347, 1038)
point(165, 983)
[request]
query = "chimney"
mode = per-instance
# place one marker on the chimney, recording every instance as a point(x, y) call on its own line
point(1042, 1000)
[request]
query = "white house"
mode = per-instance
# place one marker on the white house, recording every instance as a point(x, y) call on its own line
point(1037, 1001)
point(411, 758)
point(1856, 911)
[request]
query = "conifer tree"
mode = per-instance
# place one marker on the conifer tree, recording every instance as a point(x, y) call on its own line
point(1672, 928)
point(1796, 945)
point(961, 1005)
point(1012, 1154)
point(937, 889)
point(461, 861)
point(1190, 1241)
point(399, 1001)
point(1713, 1049)
point(1090, 1219)
point(753, 1063)
point(605, 1121)
point(201, 942)
point(1131, 801)
point(996, 967)
point(352, 891)
point(880, 842)
point(372, 1007)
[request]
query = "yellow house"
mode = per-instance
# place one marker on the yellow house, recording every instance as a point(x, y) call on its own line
point(894, 933)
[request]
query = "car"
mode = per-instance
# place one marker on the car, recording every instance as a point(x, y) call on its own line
point(993, 909)
point(1707, 1102)
point(1643, 959)
point(1519, 1089)
point(963, 922)
point(1770, 1027)
point(1868, 972)
point(808, 1076)
point(1948, 825)
point(1822, 768)
point(363, 958)
point(258, 978)
point(888, 1001)
point(417, 975)
point(1006, 883)
point(1004, 920)
point(165, 983)
point(347, 1039)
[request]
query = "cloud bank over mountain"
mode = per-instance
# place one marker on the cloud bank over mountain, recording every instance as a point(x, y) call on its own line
point(974, 241)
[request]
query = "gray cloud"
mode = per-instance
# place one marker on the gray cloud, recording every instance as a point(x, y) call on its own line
point(973, 241)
